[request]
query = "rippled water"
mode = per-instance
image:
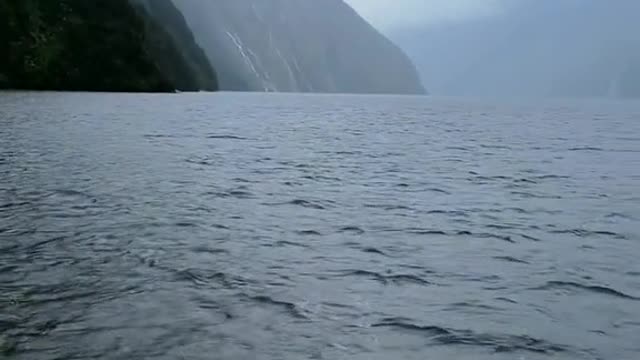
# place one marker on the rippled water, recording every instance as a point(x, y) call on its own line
point(253, 226)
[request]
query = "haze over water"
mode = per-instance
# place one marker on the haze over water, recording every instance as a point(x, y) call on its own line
point(285, 226)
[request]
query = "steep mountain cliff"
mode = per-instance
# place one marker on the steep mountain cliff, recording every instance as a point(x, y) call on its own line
point(98, 45)
point(173, 48)
point(297, 45)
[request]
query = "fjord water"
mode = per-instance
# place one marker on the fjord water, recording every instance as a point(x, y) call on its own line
point(264, 226)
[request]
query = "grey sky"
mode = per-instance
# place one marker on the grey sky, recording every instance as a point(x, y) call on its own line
point(394, 14)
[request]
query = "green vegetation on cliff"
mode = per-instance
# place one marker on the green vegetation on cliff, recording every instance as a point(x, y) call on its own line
point(97, 45)
point(171, 44)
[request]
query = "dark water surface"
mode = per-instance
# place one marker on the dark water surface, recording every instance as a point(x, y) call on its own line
point(253, 226)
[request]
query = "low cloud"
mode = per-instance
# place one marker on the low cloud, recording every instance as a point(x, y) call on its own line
point(401, 14)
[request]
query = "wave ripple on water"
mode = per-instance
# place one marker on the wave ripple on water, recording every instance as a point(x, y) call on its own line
point(317, 227)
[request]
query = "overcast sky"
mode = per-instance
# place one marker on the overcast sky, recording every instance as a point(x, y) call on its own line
point(395, 14)
point(532, 48)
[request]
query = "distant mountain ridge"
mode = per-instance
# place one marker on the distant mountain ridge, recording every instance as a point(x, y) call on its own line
point(298, 46)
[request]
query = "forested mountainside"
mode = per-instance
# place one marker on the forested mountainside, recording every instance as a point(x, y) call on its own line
point(173, 48)
point(166, 45)
point(98, 45)
point(298, 46)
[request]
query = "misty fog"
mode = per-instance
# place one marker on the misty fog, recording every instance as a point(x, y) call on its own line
point(540, 48)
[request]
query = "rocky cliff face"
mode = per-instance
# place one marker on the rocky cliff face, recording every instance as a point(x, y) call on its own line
point(298, 46)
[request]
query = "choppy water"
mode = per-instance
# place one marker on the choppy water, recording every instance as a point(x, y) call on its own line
point(253, 226)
